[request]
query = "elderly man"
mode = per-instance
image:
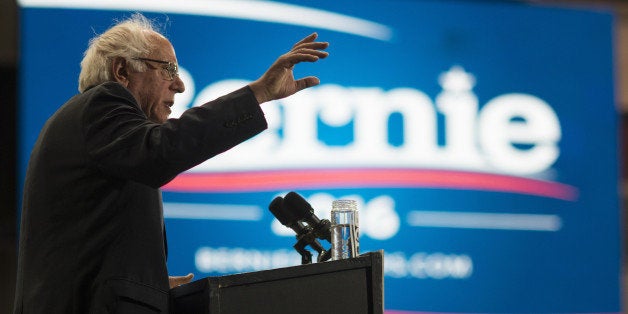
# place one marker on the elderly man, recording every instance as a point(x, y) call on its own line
point(92, 233)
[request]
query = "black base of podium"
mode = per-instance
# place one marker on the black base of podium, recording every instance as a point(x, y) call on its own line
point(347, 286)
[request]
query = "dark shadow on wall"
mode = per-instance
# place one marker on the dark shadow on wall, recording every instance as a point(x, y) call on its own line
point(8, 149)
point(8, 194)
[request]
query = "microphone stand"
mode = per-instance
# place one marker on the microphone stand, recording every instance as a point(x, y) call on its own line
point(309, 238)
point(306, 256)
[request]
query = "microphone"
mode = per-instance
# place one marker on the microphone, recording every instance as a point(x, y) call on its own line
point(285, 217)
point(301, 210)
point(305, 235)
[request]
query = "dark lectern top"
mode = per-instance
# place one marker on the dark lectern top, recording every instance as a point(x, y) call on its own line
point(348, 286)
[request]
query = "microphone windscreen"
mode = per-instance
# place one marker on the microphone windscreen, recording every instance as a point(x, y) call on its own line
point(276, 207)
point(297, 205)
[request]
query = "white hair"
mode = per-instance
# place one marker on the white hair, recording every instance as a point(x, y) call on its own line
point(128, 39)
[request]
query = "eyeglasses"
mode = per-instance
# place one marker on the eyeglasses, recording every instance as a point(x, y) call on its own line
point(171, 70)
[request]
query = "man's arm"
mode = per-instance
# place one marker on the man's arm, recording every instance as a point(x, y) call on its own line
point(123, 144)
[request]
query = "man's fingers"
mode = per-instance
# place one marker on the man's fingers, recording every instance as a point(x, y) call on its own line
point(309, 38)
point(307, 50)
point(318, 45)
point(294, 58)
point(179, 280)
point(307, 82)
point(318, 53)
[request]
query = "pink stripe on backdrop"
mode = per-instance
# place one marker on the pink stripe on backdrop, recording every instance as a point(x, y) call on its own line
point(367, 178)
point(413, 312)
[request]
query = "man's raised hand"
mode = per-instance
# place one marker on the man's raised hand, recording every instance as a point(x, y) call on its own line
point(278, 81)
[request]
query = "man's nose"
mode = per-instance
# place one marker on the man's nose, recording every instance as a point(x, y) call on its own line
point(177, 85)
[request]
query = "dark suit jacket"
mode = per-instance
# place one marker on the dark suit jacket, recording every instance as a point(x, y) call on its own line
point(92, 236)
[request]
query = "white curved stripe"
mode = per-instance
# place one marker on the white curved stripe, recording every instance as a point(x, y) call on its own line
point(501, 221)
point(257, 10)
point(212, 211)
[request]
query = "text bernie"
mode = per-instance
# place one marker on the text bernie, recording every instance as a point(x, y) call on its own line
point(513, 133)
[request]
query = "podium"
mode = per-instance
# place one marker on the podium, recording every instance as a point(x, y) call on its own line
point(350, 286)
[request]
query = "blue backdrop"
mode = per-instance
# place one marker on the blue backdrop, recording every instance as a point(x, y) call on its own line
point(479, 139)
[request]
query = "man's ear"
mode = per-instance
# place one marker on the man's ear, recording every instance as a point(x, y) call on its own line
point(120, 71)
